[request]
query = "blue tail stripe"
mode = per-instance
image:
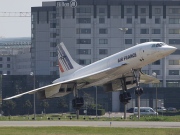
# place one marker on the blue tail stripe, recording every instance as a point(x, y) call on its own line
point(66, 58)
point(62, 60)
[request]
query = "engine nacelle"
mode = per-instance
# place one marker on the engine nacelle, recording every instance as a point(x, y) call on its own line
point(55, 91)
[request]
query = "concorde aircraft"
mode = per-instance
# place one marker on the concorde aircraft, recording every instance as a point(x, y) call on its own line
point(119, 71)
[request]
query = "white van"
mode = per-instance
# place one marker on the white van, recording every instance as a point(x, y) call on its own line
point(144, 111)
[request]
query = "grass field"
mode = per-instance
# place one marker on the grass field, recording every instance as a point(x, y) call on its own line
point(66, 117)
point(86, 131)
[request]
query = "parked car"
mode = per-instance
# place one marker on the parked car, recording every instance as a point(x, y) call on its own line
point(130, 110)
point(171, 109)
point(161, 109)
point(145, 111)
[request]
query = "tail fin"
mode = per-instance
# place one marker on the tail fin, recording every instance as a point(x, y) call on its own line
point(66, 64)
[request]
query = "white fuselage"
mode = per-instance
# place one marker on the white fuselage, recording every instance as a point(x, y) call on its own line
point(135, 57)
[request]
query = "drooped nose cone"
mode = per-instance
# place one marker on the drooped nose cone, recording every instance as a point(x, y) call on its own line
point(169, 49)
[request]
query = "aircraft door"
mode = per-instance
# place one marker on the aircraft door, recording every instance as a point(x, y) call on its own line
point(141, 54)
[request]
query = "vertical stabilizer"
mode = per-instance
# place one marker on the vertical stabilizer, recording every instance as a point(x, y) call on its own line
point(66, 64)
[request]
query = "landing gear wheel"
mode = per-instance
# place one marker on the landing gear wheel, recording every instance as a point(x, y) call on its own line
point(125, 97)
point(139, 91)
point(77, 103)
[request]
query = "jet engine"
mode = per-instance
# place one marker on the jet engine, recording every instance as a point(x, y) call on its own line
point(55, 91)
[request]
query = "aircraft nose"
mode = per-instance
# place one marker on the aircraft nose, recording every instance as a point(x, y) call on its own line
point(169, 49)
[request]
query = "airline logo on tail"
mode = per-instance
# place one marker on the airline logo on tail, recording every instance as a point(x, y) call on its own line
point(63, 60)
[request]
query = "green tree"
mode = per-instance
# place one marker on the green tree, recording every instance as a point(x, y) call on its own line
point(62, 104)
point(88, 100)
point(27, 105)
point(8, 106)
point(44, 104)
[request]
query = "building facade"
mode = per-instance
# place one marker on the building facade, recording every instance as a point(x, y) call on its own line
point(15, 56)
point(94, 29)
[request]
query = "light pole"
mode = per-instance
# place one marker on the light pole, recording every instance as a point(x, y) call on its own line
point(155, 75)
point(96, 101)
point(34, 86)
point(124, 31)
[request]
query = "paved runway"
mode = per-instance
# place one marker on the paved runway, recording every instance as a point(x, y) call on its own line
point(90, 124)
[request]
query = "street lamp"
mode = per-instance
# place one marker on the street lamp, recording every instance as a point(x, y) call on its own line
point(96, 101)
point(124, 31)
point(32, 74)
point(155, 75)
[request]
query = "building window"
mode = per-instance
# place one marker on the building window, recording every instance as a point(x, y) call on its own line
point(57, 32)
point(144, 31)
point(129, 31)
point(8, 59)
point(156, 31)
point(1, 59)
point(157, 10)
point(174, 31)
point(84, 61)
point(172, 83)
point(174, 41)
point(128, 41)
point(103, 31)
point(83, 31)
point(173, 72)
point(144, 40)
point(52, 35)
point(53, 44)
point(8, 72)
point(156, 62)
point(156, 71)
point(174, 11)
point(157, 20)
point(8, 65)
point(53, 64)
point(129, 10)
point(103, 41)
point(101, 10)
point(84, 51)
point(52, 25)
point(157, 40)
point(53, 15)
point(174, 62)
point(174, 20)
point(83, 20)
point(1, 65)
point(53, 54)
point(142, 10)
point(101, 20)
point(129, 20)
point(83, 41)
point(103, 51)
point(83, 10)
point(143, 20)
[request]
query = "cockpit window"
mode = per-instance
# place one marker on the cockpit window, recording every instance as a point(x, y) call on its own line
point(158, 45)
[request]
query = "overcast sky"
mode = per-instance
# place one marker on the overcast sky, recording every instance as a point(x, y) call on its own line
point(17, 26)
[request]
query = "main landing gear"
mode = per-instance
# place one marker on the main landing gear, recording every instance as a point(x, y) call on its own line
point(138, 90)
point(125, 96)
point(77, 102)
